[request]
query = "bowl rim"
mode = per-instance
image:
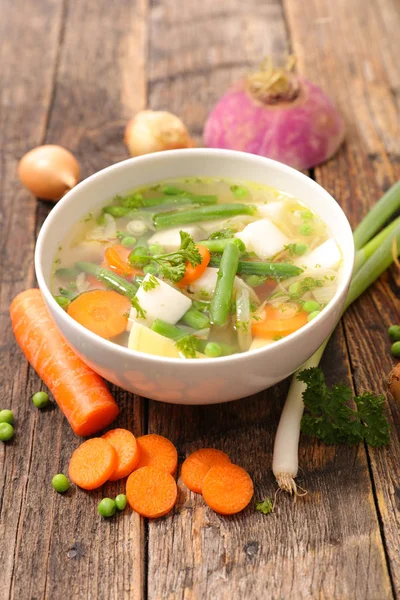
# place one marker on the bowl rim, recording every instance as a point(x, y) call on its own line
point(167, 155)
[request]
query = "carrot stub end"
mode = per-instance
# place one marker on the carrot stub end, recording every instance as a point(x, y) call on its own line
point(92, 463)
point(157, 451)
point(104, 312)
point(227, 489)
point(197, 465)
point(125, 445)
point(151, 492)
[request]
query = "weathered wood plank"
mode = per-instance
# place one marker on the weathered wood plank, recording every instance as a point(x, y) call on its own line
point(328, 543)
point(25, 99)
point(367, 65)
point(58, 546)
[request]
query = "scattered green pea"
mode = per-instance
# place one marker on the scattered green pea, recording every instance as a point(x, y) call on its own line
point(156, 249)
point(62, 301)
point(40, 399)
point(107, 507)
point(6, 416)
point(139, 256)
point(129, 241)
point(295, 288)
point(152, 269)
point(60, 483)
point(312, 315)
point(394, 333)
point(311, 306)
point(254, 280)
point(239, 191)
point(395, 349)
point(212, 350)
point(307, 215)
point(120, 501)
point(300, 249)
point(305, 229)
point(6, 432)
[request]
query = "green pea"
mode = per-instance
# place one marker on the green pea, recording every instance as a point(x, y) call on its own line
point(62, 301)
point(312, 315)
point(151, 268)
point(6, 416)
point(156, 249)
point(307, 215)
point(305, 229)
point(300, 249)
point(254, 280)
point(60, 483)
point(129, 241)
point(107, 507)
point(295, 288)
point(311, 306)
point(40, 399)
point(6, 432)
point(212, 350)
point(394, 333)
point(120, 501)
point(239, 191)
point(395, 349)
point(139, 257)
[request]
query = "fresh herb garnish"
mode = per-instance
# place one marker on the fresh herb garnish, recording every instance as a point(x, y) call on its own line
point(265, 506)
point(328, 417)
point(188, 345)
point(172, 266)
point(306, 285)
point(150, 284)
point(140, 312)
point(242, 326)
point(224, 234)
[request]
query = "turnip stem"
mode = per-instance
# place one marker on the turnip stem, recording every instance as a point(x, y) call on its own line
point(377, 216)
point(379, 254)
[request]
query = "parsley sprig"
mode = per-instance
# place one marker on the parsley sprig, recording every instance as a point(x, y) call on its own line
point(188, 345)
point(172, 265)
point(328, 416)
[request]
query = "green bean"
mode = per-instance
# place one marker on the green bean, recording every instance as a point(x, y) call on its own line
point(112, 280)
point(186, 199)
point(226, 349)
point(203, 213)
point(213, 350)
point(63, 301)
point(219, 245)
point(272, 270)
point(195, 319)
point(117, 211)
point(167, 330)
point(222, 298)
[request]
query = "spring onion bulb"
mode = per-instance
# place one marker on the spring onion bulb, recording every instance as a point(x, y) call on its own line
point(153, 131)
point(49, 171)
point(378, 256)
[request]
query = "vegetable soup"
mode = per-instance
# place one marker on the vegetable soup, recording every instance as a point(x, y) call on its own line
point(197, 268)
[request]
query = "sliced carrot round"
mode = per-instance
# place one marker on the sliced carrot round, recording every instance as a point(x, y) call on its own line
point(156, 451)
point(227, 489)
point(197, 465)
point(116, 259)
point(276, 323)
point(194, 272)
point(92, 463)
point(104, 312)
point(151, 492)
point(125, 445)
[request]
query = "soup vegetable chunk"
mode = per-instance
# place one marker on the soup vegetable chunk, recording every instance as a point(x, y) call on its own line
point(197, 268)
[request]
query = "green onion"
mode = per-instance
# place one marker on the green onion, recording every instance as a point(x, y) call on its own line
point(377, 216)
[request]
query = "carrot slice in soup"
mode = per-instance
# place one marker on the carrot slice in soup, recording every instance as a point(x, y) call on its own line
point(275, 323)
point(197, 465)
point(156, 451)
point(151, 492)
point(92, 463)
point(125, 445)
point(104, 312)
point(80, 393)
point(194, 272)
point(116, 259)
point(227, 489)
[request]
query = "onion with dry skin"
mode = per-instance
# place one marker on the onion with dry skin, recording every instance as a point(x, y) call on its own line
point(153, 131)
point(49, 171)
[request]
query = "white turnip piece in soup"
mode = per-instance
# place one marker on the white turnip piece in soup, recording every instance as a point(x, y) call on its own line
point(207, 268)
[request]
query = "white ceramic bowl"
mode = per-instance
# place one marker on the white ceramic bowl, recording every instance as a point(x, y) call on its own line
point(192, 381)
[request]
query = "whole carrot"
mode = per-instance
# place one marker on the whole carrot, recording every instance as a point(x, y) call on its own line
point(80, 393)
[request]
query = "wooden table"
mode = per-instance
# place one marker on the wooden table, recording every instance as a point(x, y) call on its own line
point(73, 73)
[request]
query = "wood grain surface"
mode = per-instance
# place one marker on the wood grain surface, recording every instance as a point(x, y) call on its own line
point(73, 73)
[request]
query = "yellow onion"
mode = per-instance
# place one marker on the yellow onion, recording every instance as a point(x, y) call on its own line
point(49, 171)
point(153, 131)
